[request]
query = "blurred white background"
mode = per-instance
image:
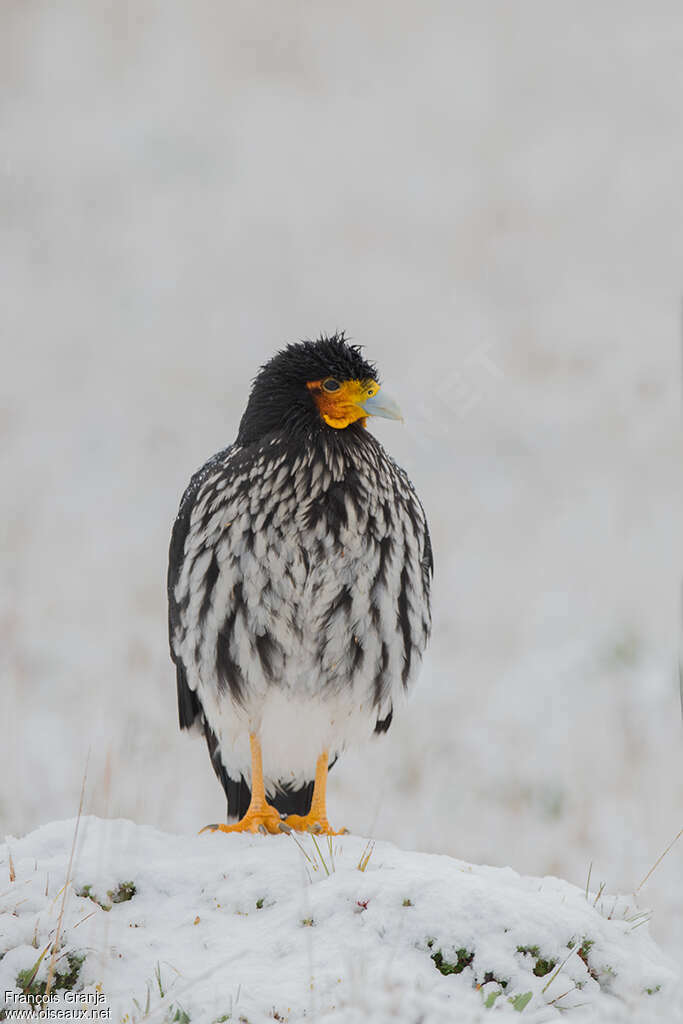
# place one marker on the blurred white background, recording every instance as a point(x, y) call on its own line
point(488, 197)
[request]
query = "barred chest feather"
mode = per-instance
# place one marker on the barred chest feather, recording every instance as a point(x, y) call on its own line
point(302, 595)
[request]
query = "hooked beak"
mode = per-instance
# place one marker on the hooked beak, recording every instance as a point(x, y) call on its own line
point(382, 405)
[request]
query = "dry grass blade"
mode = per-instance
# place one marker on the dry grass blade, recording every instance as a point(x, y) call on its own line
point(637, 919)
point(32, 976)
point(320, 854)
point(309, 859)
point(644, 920)
point(55, 947)
point(557, 998)
point(12, 873)
point(558, 969)
point(366, 855)
point(86, 918)
point(660, 859)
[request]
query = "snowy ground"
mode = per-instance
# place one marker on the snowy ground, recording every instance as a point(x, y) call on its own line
point(262, 928)
point(486, 196)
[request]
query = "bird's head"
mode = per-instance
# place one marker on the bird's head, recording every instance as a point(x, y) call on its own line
point(313, 386)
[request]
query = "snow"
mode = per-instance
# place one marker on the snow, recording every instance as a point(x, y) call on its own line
point(261, 926)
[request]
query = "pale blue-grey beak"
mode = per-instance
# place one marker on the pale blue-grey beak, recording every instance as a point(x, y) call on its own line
point(382, 405)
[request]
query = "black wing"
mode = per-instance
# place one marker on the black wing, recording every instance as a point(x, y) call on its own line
point(287, 799)
point(189, 705)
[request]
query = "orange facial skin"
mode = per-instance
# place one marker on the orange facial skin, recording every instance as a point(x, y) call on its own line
point(341, 407)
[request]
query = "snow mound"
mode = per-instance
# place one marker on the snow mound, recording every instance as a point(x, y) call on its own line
point(238, 928)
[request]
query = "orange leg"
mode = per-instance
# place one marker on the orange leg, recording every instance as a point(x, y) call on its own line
point(260, 816)
point(316, 819)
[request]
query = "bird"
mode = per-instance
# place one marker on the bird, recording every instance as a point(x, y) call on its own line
point(299, 577)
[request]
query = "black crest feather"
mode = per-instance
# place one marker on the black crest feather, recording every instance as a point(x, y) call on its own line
point(279, 398)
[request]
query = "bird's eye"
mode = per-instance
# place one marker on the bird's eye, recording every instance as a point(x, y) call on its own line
point(331, 384)
point(371, 392)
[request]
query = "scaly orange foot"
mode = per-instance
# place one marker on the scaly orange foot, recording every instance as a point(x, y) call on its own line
point(316, 819)
point(264, 819)
point(312, 823)
point(260, 816)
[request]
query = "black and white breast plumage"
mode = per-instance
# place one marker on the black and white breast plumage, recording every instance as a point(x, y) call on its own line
point(298, 584)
